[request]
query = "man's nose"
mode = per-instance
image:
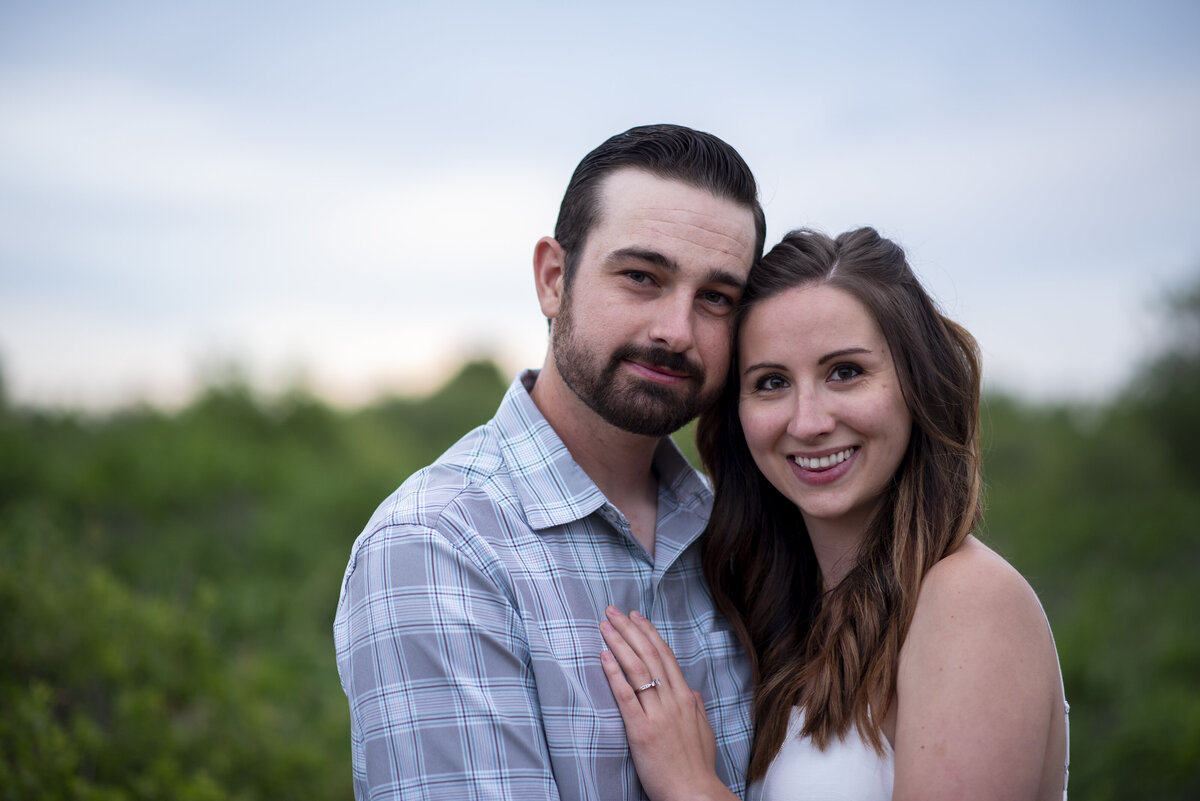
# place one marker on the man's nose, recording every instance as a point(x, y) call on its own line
point(672, 324)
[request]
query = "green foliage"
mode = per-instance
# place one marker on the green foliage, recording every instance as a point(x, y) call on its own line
point(1098, 508)
point(685, 438)
point(168, 582)
point(1093, 510)
point(1167, 391)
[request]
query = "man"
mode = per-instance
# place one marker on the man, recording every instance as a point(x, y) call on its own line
point(467, 629)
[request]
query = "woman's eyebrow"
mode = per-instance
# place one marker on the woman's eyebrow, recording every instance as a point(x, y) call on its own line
point(762, 366)
point(843, 352)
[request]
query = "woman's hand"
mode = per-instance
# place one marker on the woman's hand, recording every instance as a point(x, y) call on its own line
point(672, 742)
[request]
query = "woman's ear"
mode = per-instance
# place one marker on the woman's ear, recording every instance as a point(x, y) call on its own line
point(549, 274)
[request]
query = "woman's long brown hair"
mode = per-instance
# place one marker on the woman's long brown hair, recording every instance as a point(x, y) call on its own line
point(835, 651)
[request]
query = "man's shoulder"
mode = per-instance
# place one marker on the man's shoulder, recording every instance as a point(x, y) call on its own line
point(471, 474)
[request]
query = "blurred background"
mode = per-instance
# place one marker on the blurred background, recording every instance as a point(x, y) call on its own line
point(258, 262)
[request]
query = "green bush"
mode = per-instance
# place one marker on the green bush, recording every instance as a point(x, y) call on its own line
point(168, 582)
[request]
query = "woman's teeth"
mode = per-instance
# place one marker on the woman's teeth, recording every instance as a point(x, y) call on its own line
point(820, 463)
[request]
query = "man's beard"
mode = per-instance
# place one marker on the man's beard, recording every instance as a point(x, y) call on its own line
point(636, 405)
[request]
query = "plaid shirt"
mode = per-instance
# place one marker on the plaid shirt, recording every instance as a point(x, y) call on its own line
point(467, 630)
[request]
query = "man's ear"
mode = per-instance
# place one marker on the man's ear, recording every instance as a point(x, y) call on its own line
point(549, 274)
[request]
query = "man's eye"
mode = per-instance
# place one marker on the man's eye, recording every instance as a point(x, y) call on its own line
point(637, 277)
point(715, 298)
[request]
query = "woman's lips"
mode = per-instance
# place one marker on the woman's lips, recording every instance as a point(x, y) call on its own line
point(823, 469)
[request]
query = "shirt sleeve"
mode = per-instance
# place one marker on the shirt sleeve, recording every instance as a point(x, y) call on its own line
point(434, 661)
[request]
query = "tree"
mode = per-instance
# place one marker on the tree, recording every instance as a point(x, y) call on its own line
point(1167, 390)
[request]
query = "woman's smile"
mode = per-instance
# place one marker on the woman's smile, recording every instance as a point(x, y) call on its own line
point(824, 469)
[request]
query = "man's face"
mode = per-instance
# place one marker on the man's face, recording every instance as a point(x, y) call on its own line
point(642, 335)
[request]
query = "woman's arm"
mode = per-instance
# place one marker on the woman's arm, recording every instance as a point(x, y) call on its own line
point(672, 742)
point(977, 685)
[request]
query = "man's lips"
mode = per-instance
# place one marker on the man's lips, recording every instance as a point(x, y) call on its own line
point(659, 365)
point(657, 372)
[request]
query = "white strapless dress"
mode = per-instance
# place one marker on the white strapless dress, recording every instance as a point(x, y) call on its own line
point(847, 770)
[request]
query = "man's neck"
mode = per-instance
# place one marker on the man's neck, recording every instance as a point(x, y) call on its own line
point(620, 463)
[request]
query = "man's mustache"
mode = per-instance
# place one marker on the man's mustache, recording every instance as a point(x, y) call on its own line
point(660, 357)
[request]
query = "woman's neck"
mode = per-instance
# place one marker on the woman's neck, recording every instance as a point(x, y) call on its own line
point(836, 544)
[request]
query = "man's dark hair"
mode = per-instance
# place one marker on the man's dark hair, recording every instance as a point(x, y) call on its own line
point(673, 152)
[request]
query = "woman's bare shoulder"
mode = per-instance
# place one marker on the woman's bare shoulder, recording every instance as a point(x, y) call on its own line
point(977, 688)
point(976, 575)
point(974, 597)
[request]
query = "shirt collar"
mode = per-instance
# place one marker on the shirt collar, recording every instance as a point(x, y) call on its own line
point(552, 488)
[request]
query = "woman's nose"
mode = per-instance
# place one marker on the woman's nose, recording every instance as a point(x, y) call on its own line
point(811, 416)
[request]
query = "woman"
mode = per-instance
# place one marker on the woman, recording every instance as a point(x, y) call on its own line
point(894, 655)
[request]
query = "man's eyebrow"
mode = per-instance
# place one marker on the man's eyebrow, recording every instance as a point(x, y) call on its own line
point(725, 277)
point(714, 276)
point(642, 254)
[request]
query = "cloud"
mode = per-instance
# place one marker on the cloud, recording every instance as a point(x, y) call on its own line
point(164, 225)
point(1043, 225)
point(1056, 198)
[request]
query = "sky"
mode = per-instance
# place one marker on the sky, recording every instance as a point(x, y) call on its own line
point(346, 196)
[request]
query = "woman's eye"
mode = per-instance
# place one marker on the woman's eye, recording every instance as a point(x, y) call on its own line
point(769, 383)
point(845, 372)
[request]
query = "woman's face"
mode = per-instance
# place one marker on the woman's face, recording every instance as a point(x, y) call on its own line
point(821, 404)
